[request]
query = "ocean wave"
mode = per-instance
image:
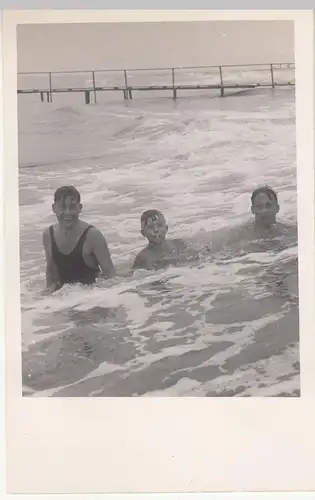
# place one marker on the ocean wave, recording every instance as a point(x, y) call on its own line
point(224, 325)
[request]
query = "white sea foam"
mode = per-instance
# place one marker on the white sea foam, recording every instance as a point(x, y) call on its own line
point(224, 324)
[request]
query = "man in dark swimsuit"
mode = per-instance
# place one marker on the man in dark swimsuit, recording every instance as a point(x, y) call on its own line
point(75, 251)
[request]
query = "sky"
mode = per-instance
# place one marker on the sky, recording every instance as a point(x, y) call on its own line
point(62, 47)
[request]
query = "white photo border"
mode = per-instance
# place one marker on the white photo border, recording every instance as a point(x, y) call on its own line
point(134, 445)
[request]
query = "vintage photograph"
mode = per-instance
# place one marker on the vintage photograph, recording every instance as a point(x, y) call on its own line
point(158, 209)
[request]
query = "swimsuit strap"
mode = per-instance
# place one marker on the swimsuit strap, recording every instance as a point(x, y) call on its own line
point(81, 241)
point(79, 245)
point(51, 234)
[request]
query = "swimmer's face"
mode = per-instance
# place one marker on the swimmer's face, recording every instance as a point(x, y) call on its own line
point(155, 229)
point(67, 211)
point(265, 208)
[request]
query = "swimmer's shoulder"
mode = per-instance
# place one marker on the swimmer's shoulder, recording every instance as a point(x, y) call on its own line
point(45, 235)
point(46, 239)
point(141, 260)
point(289, 229)
point(242, 233)
point(46, 232)
point(92, 232)
point(222, 238)
point(93, 235)
point(243, 228)
point(285, 225)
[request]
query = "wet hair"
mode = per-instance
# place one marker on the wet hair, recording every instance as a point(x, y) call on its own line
point(149, 214)
point(65, 191)
point(265, 190)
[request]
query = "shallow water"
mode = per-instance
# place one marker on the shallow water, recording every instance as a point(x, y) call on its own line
point(224, 325)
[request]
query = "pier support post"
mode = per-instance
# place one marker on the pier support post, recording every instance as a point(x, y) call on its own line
point(127, 92)
point(48, 96)
point(173, 84)
point(272, 76)
point(94, 89)
point(41, 96)
point(221, 82)
point(87, 97)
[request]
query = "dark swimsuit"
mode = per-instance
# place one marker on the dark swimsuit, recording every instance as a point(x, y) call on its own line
point(71, 267)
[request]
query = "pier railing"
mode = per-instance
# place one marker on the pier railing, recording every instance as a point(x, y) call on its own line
point(128, 81)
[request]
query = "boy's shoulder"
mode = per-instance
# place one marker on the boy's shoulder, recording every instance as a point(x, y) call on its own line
point(141, 260)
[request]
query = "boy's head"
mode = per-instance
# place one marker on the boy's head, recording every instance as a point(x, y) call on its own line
point(67, 205)
point(265, 205)
point(153, 226)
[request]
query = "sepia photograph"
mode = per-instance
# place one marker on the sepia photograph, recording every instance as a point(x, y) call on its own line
point(158, 209)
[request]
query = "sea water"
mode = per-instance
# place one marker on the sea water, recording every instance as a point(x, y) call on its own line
point(224, 325)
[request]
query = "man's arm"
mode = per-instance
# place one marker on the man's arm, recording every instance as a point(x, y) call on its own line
point(101, 252)
point(52, 278)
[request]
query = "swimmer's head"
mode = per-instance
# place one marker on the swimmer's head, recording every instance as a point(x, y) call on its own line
point(67, 205)
point(153, 226)
point(265, 205)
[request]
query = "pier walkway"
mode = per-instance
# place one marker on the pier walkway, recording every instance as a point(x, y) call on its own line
point(90, 92)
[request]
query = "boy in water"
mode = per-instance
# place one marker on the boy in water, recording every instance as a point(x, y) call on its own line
point(265, 227)
point(75, 251)
point(265, 208)
point(159, 252)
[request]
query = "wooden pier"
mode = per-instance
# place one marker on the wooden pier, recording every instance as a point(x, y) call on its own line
point(127, 90)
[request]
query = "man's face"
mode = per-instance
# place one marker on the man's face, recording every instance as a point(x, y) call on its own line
point(67, 211)
point(155, 229)
point(265, 208)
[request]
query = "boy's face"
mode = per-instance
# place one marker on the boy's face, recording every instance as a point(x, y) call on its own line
point(265, 209)
point(155, 229)
point(67, 211)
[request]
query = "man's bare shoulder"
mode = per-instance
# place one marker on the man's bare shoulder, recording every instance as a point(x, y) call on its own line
point(46, 236)
point(84, 225)
point(94, 235)
point(287, 226)
point(221, 238)
point(46, 232)
point(287, 230)
point(93, 232)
